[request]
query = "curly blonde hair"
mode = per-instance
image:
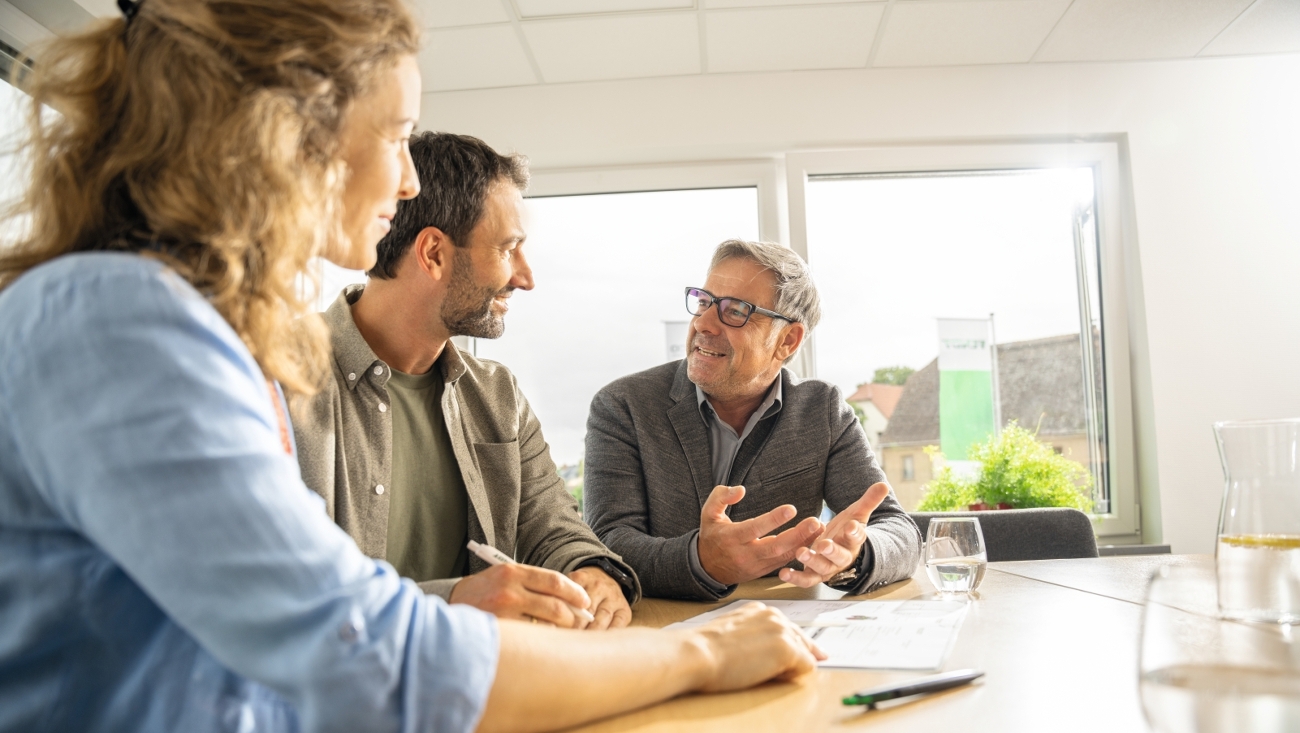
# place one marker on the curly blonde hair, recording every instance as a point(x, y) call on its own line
point(206, 133)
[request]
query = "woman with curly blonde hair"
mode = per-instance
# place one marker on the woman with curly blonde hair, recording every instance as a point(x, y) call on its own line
point(162, 566)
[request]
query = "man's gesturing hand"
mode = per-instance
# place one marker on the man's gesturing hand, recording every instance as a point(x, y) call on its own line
point(607, 602)
point(523, 592)
point(734, 552)
point(838, 546)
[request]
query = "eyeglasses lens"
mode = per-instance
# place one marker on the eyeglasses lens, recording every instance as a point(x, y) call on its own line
point(697, 302)
point(733, 312)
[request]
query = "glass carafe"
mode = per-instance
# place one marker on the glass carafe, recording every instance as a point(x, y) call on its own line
point(1258, 550)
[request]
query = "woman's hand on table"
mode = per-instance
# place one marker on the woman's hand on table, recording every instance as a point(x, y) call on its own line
point(752, 645)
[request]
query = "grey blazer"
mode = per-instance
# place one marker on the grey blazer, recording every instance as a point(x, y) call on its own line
point(649, 471)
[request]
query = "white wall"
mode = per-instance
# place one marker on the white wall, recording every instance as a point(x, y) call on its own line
point(1215, 162)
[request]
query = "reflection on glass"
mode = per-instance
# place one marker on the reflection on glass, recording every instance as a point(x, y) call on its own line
point(1202, 674)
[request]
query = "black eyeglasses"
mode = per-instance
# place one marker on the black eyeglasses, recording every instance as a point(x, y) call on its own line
point(732, 312)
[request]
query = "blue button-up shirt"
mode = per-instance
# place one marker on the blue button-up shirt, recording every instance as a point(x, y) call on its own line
point(162, 566)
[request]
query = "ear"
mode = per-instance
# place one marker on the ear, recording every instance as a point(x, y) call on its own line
point(788, 340)
point(432, 253)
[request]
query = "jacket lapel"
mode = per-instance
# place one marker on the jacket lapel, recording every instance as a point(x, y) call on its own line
point(757, 438)
point(480, 526)
point(691, 434)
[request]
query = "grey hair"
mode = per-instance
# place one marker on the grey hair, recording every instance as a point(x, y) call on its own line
point(796, 294)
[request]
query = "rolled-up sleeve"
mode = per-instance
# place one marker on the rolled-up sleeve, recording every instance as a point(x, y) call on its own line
point(150, 429)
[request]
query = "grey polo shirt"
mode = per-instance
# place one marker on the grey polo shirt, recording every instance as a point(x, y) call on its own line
point(724, 443)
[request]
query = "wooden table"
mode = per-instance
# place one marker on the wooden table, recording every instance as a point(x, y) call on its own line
point(1057, 640)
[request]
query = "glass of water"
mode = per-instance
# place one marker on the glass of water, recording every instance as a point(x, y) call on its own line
point(1201, 673)
point(955, 558)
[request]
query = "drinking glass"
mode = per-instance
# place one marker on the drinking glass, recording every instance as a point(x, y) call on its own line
point(1200, 673)
point(955, 558)
point(1258, 552)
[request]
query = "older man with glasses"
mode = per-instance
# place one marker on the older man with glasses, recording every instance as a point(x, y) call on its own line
point(708, 472)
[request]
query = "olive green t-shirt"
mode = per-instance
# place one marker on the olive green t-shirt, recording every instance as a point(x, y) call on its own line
point(428, 509)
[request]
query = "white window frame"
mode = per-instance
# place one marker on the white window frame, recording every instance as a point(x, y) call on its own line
point(1117, 255)
point(765, 174)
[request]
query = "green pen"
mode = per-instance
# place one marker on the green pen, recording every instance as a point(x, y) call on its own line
point(920, 686)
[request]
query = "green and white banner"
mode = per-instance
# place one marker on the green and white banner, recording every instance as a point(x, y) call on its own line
point(966, 413)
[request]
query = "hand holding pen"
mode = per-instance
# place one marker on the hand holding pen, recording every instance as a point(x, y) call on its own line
point(511, 590)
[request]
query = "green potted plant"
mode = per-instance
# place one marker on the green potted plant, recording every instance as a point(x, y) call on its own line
point(1018, 471)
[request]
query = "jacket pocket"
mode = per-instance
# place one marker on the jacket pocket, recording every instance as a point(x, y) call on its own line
point(785, 474)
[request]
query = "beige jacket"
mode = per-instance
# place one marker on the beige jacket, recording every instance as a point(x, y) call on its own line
point(518, 503)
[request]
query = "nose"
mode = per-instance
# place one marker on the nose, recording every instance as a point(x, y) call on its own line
point(522, 278)
point(410, 184)
point(707, 322)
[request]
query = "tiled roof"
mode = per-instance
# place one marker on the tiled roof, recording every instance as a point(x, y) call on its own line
point(883, 396)
point(1041, 383)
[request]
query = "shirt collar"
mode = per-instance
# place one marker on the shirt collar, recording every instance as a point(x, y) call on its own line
point(770, 406)
point(358, 361)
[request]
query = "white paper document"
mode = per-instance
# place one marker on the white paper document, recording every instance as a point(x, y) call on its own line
point(870, 634)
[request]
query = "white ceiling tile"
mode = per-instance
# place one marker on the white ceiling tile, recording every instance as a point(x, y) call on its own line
point(449, 13)
point(551, 8)
point(784, 39)
point(967, 32)
point(1269, 26)
point(19, 29)
point(615, 47)
point(101, 8)
point(1118, 30)
point(474, 58)
point(768, 3)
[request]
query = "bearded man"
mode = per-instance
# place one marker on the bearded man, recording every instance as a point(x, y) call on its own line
point(417, 447)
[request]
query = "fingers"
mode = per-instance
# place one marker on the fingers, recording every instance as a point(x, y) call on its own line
point(622, 617)
point(760, 526)
point(824, 558)
point(551, 583)
point(715, 507)
point(547, 609)
point(604, 617)
point(756, 643)
point(781, 548)
point(866, 504)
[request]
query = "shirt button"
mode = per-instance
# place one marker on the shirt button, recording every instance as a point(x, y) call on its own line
point(379, 370)
point(352, 376)
point(379, 489)
point(383, 407)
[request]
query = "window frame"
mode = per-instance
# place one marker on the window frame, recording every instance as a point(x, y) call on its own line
point(1117, 255)
point(767, 175)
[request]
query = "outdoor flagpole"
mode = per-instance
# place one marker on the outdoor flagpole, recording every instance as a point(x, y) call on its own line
point(997, 393)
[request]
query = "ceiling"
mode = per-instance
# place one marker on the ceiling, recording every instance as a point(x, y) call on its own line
point(475, 44)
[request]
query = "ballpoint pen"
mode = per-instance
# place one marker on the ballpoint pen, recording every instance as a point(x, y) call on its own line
point(493, 556)
point(933, 683)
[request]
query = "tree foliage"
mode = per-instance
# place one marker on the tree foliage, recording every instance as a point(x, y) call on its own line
point(1017, 469)
point(892, 375)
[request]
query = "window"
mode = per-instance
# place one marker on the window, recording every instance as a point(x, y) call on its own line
point(13, 171)
point(609, 272)
point(1023, 246)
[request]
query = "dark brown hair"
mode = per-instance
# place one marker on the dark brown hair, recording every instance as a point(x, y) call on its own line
point(456, 172)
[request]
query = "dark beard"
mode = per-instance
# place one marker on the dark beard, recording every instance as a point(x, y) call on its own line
point(467, 311)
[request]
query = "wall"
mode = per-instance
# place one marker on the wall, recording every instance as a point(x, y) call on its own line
point(1215, 164)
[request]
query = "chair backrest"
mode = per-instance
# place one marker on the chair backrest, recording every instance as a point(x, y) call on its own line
point(1028, 534)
